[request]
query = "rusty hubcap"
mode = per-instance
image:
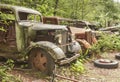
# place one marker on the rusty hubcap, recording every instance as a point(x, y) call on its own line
point(40, 61)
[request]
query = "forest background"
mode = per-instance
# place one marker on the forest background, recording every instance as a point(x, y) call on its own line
point(104, 12)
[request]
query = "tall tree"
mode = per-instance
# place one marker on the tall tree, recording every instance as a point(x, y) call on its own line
point(55, 8)
point(92, 10)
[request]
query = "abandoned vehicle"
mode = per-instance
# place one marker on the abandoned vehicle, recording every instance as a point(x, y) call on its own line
point(85, 37)
point(23, 36)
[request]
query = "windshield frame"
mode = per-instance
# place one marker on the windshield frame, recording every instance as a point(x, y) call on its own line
point(26, 14)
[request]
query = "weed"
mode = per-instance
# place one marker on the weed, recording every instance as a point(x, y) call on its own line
point(79, 65)
point(4, 75)
point(106, 43)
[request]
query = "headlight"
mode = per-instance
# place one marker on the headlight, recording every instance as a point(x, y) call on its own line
point(59, 39)
point(74, 47)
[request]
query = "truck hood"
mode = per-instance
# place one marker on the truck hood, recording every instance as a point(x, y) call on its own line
point(41, 26)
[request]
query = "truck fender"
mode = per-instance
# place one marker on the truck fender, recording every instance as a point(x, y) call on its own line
point(55, 51)
point(84, 43)
point(74, 47)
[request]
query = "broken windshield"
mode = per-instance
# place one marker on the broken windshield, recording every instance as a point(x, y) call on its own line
point(29, 17)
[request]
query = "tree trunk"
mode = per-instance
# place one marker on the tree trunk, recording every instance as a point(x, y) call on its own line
point(82, 9)
point(55, 8)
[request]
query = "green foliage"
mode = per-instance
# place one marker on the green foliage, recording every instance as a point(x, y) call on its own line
point(107, 42)
point(92, 10)
point(78, 66)
point(10, 64)
point(2, 29)
point(5, 16)
point(4, 75)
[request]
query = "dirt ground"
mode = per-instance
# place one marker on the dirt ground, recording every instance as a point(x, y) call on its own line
point(95, 74)
point(92, 74)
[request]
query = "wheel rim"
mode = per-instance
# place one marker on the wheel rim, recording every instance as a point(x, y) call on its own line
point(105, 61)
point(40, 61)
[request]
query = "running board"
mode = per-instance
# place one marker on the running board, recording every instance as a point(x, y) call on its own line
point(68, 60)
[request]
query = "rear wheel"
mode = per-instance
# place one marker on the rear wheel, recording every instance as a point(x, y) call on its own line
point(40, 60)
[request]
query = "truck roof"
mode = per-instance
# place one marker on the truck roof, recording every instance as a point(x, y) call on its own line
point(18, 8)
point(49, 27)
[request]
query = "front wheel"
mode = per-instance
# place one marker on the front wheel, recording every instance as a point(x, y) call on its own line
point(41, 60)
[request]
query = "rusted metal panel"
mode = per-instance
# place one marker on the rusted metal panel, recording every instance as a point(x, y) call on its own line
point(88, 36)
point(8, 35)
point(80, 35)
point(11, 35)
point(50, 20)
point(85, 44)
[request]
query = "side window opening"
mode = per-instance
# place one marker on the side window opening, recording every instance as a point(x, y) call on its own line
point(22, 16)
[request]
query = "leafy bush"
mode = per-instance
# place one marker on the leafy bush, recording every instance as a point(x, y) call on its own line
point(4, 75)
point(78, 66)
point(106, 42)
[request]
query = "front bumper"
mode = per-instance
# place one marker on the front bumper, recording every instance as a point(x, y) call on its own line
point(68, 60)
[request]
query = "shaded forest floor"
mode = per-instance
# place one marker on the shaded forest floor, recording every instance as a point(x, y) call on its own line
point(92, 74)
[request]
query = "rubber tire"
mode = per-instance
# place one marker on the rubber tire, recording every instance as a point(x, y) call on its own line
point(113, 64)
point(117, 56)
point(50, 63)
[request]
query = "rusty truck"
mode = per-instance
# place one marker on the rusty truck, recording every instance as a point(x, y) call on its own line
point(24, 37)
point(86, 37)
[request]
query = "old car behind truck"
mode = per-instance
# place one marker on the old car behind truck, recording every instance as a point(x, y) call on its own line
point(86, 37)
point(23, 36)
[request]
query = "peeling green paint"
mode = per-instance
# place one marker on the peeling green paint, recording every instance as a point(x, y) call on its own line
point(20, 38)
